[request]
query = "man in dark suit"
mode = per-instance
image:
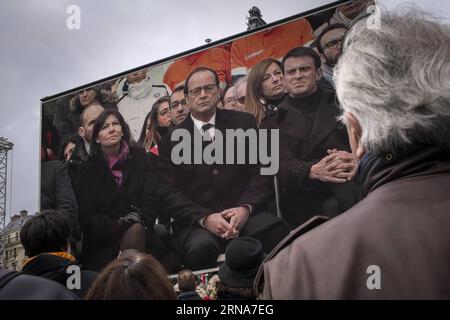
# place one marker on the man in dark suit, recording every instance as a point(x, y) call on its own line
point(317, 168)
point(236, 194)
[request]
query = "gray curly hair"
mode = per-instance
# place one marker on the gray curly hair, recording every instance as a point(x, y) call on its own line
point(395, 80)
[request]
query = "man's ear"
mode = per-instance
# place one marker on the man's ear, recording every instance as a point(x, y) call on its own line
point(319, 74)
point(81, 132)
point(355, 133)
point(188, 103)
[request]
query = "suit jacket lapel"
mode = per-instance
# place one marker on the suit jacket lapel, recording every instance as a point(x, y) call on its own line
point(222, 122)
point(189, 125)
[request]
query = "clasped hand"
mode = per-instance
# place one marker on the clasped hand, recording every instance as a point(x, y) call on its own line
point(337, 167)
point(228, 223)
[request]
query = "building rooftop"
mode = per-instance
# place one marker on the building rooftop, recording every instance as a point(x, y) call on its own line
point(17, 221)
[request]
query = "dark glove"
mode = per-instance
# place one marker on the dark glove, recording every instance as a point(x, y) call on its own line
point(132, 217)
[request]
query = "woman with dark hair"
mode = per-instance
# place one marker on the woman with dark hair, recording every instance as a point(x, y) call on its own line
point(265, 89)
point(120, 195)
point(156, 125)
point(132, 276)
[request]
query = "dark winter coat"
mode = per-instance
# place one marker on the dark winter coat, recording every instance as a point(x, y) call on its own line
point(398, 233)
point(300, 197)
point(55, 267)
point(57, 192)
point(219, 186)
point(189, 295)
point(19, 286)
point(102, 202)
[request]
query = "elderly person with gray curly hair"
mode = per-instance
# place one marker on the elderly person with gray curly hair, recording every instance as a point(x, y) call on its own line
point(394, 86)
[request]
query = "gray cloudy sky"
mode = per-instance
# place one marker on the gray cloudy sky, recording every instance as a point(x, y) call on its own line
point(39, 56)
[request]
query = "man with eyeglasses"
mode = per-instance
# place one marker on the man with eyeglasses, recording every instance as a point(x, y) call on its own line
point(236, 195)
point(317, 168)
point(178, 106)
point(329, 45)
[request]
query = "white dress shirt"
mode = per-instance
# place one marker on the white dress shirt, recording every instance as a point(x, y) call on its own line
point(199, 125)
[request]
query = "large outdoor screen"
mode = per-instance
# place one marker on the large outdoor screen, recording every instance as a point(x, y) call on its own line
point(134, 92)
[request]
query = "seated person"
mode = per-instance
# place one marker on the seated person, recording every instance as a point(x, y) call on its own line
point(137, 94)
point(317, 168)
point(235, 195)
point(265, 90)
point(120, 196)
point(155, 126)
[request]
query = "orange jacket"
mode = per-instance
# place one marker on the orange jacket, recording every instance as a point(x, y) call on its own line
point(270, 43)
point(215, 58)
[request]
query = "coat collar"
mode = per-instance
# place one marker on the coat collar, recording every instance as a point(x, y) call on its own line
point(106, 172)
point(325, 121)
point(222, 122)
point(415, 161)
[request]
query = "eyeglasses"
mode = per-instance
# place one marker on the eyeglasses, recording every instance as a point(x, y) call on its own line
point(209, 88)
point(178, 103)
point(333, 43)
point(229, 100)
point(241, 100)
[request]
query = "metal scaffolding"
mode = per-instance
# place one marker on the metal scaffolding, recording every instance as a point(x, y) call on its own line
point(5, 146)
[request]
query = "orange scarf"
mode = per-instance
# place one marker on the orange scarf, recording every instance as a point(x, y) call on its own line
point(64, 255)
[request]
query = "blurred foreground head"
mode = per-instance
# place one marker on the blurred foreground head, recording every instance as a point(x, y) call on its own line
point(132, 276)
point(393, 82)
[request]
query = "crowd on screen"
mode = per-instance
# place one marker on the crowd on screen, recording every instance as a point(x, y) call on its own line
point(358, 132)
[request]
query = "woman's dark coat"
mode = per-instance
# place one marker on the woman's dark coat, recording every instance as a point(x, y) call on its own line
point(102, 202)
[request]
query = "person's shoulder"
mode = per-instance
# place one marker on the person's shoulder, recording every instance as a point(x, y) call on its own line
point(271, 121)
point(88, 275)
point(54, 165)
point(328, 96)
point(216, 50)
point(160, 90)
point(319, 232)
point(138, 155)
point(137, 151)
point(29, 287)
point(91, 165)
point(237, 116)
point(186, 124)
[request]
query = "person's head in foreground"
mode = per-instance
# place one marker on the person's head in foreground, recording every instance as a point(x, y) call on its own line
point(243, 257)
point(393, 83)
point(47, 231)
point(132, 276)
